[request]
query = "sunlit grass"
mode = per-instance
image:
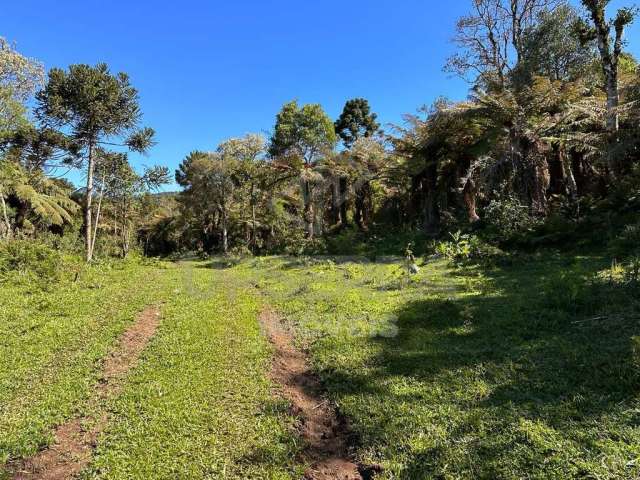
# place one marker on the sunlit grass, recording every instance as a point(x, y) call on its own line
point(513, 371)
point(200, 404)
point(527, 368)
point(52, 342)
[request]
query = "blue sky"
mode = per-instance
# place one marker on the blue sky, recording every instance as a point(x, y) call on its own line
point(209, 70)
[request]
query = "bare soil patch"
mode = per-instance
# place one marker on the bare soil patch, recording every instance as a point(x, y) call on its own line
point(325, 432)
point(75, 439)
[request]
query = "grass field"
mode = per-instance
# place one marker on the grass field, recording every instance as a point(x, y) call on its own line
point(198, 405)
point(519, 371)
point(526, 369)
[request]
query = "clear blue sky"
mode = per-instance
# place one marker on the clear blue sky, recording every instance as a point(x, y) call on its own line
point(208, 70)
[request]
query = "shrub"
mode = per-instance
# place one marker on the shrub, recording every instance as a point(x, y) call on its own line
point(458, 248)
point(31, 260)
point(69, 242)
point(507, 217)
point(348, 242)
point(464, 247)
point(298, 244)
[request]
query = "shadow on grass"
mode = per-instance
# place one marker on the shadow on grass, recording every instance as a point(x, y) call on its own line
point(542, 344)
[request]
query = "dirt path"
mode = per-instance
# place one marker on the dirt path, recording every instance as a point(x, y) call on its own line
point(326, 434)
point(75, 440)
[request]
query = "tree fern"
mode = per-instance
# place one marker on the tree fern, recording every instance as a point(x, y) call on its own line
point(47, 202)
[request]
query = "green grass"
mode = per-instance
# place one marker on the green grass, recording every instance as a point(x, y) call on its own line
point(52, 341)
point(521, 371)
point(529, 369)
point(200, 405)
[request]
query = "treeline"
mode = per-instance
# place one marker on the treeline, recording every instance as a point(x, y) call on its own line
point(85, 118)
point(548, 136)
point(546, 143)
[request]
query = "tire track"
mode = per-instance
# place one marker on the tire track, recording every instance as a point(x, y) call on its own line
point(75, 440)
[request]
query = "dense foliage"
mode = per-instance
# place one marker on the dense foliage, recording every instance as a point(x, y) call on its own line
point(547, 143)
point(480, 355)
point(538, 145)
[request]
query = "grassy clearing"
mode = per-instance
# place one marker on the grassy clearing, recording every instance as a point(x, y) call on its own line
point(200, 405)
point(523, 370)
point(519, 371)
point(52, 341)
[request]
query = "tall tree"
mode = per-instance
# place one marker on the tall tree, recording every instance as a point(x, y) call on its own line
point(198, 214)
point(367, 157)
point(610, 50)
point(247, 154)
point(96, 109)
point(552, 49)
point(491, 39)
point(301, 137)
point(19, 74)
point(224, 193)
point(356, 121)
point(122, 188)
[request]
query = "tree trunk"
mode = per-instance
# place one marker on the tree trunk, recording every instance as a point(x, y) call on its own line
point(253, 227)
point(5, 217)
point(609, 60)
point(97, 220)
point(253, 239)
point(22, 209)
point(126, 239)
point(343, 200)
point(613, 98)
point(469, 196)
point(431, 208)
point(87, 211)
point(361, 213)
point(335, 203)
point(539, 169)
point(308, 209)
point(225, 238)
point(569, 179)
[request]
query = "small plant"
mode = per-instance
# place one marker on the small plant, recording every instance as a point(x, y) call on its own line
point(509, 217)
point(456, 249)
point(410, 260)
point(615, 274)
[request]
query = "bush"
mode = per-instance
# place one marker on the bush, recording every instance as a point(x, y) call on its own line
point(69, 242)
point(507, 217)
point(349, 241)
point(31, 260)
point(240, 251)
point(465, 247)
point(458, 248)
point(297, 244)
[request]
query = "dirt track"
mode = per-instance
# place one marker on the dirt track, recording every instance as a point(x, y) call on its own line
point(326, 434)
point(75, 439)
